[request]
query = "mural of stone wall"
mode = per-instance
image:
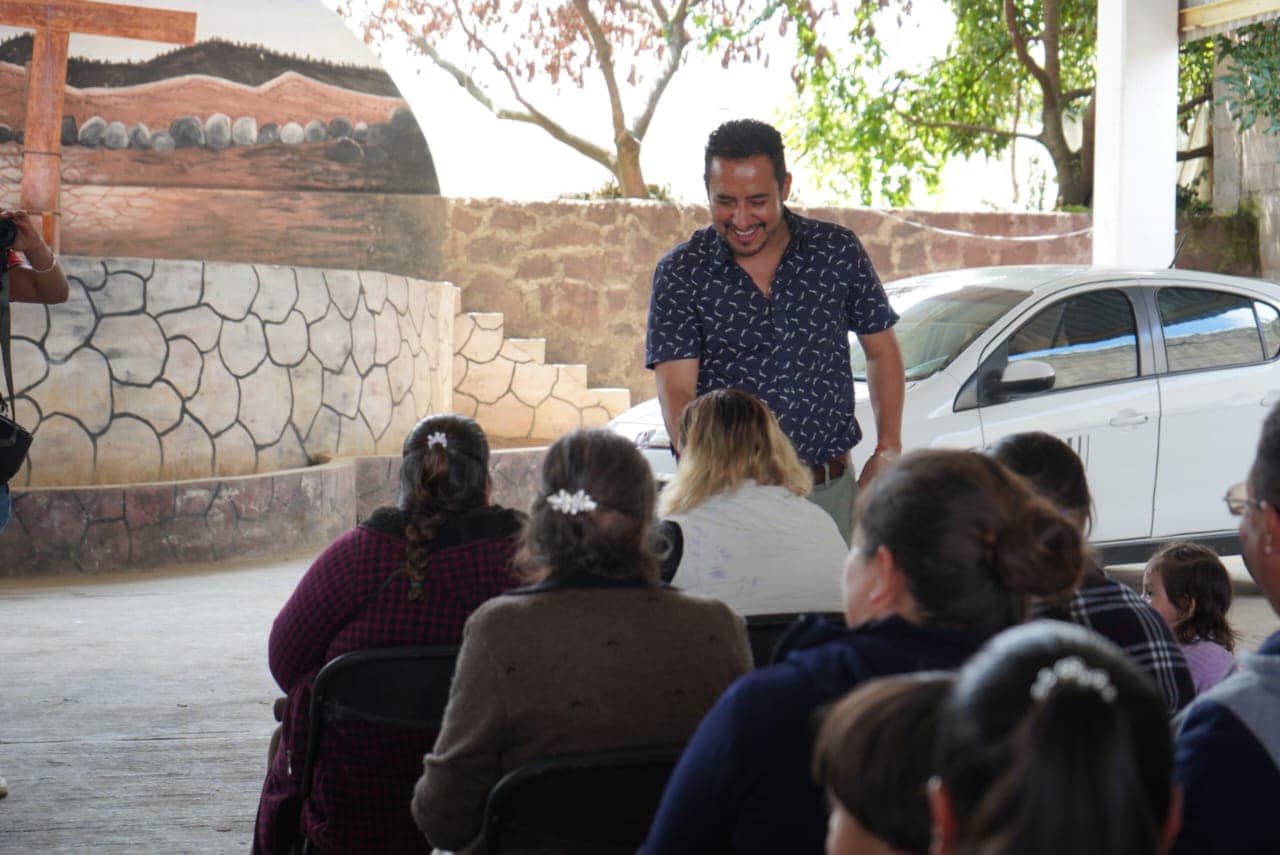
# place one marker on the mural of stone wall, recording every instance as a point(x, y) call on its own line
point(579, 273)
point(94, 530)
point(173, 370)
point(508, 387)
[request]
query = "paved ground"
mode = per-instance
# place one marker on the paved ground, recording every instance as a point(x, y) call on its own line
point(135, 711)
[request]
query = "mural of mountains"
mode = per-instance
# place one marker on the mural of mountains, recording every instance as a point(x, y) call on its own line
point(250, 65)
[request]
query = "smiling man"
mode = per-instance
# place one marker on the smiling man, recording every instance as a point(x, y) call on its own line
point(763, 300)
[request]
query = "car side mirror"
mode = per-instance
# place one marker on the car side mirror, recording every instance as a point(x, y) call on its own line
point(1025, 377)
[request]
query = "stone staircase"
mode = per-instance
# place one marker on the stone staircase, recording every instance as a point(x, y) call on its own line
point(507, 386)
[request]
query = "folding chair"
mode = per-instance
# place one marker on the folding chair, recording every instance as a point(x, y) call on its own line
point(404, 687)
point(599, 803)
point(765, 631)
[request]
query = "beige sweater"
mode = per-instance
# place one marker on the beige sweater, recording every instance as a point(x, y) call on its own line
point(569, 670)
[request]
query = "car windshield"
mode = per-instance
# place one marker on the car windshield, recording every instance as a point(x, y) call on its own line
point(936, 323)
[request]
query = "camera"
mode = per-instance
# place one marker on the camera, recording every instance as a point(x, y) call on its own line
point(8, 233)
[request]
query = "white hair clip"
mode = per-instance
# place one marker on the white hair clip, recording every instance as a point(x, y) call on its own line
point(1071, 669)
point(439, 438)
point(571, 503)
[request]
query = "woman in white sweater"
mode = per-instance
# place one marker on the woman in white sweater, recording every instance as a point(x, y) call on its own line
point(736, 522)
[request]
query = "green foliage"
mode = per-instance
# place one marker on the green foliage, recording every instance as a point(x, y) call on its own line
point(1252, 74)
point(877, 134)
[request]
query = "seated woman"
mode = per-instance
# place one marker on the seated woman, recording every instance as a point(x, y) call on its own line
point(1053, 741)
point(1101, 603)
point(408, 575)
point(947, 547)
point(737, 525)
point(873, 757)
point(597, 655)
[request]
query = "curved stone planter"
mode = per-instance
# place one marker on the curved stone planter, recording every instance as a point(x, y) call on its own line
point(86, 530)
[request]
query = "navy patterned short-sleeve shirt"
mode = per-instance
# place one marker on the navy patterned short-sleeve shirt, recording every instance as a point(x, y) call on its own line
point(791, 350)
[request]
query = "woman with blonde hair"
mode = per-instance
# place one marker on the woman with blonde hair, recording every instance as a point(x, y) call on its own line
point(736, 522)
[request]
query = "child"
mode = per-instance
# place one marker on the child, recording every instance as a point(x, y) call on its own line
point(873, 757)
point(1187, 584)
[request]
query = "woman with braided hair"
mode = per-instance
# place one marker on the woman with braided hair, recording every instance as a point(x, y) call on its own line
point(409, 574)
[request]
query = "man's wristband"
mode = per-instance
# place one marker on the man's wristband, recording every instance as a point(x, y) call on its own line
point(884, 452)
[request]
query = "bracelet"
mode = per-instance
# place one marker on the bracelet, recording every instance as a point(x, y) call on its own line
point(884, 451)
point(52, 264)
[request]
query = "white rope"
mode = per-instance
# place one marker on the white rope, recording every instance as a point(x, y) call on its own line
point(958, 233)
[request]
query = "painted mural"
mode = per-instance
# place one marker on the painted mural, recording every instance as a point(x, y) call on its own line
point(273, 96)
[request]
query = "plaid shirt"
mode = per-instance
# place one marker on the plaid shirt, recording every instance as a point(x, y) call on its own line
point(1112, 609)
point(365, 774)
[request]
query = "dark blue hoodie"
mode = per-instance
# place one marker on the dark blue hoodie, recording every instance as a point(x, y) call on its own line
point(742, 784)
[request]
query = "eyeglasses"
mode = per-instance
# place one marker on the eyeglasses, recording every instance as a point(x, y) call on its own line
point(1238, 500)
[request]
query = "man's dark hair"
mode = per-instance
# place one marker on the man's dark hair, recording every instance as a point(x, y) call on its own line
point(743, 138)
point(1265, 474)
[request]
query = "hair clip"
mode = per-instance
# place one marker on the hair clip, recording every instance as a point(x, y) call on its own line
point(438, 438)
point(571, 503)
point(1071, 669)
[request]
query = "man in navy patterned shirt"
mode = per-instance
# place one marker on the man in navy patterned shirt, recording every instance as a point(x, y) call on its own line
point(763, 300)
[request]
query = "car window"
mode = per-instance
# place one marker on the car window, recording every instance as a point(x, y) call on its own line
point(933, 327)
point(1208, 329)
point(1090, 338)
point(1269, 323)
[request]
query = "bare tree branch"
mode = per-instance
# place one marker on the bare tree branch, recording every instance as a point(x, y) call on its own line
point(962, 126)
point(1202, 98)
point(677, 40)
point(1020, 48)
point(533, 116)
point(1193, 153)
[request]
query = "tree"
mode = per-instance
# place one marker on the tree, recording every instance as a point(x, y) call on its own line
point(1015, 70)
point(632, 47)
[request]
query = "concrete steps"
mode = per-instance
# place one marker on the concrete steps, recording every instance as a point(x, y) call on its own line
point(507, 385)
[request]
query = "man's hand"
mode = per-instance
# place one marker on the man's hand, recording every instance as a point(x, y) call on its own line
point(887, 386)
point(875, 466)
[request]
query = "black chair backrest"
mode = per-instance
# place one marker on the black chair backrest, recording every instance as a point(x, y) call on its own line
point(599, 803)
point(404, 687)
point(765, 631)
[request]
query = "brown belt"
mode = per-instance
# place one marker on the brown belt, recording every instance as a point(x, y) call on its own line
point(832, 469)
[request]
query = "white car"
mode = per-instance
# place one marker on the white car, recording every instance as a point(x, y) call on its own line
point(1159, 379)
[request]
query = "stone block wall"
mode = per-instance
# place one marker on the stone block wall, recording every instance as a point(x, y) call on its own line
point(579, 273)
point(1246, 173)
point(177, 370)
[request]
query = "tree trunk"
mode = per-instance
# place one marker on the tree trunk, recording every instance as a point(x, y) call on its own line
point(627, 171)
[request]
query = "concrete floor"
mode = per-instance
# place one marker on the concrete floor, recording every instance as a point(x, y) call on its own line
point(135, 711)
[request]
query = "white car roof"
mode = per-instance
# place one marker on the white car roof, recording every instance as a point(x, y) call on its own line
point(1039, 278)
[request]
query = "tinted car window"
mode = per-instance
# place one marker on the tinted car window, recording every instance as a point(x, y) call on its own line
point(1208, 329)
point(934, 327)
point(1269, 323)
point(1091, 338)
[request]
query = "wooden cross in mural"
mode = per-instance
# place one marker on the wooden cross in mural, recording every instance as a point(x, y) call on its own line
point(53, 23)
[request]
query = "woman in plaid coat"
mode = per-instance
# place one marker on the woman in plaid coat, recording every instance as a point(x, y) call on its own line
point(409, 574)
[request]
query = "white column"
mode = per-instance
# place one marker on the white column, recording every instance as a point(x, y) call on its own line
point(1136, 140)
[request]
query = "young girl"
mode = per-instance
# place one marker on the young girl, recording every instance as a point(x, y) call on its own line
point(1187, 584)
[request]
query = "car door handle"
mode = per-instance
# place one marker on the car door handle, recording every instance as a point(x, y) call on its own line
point(1270, 399)
point(1128, 418)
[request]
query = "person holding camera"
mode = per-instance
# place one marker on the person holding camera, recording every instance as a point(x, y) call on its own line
point(33, 276)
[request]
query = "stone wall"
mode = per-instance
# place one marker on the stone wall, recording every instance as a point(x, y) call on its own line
point(579, 273)
point(1246, 173)
point(175, 370)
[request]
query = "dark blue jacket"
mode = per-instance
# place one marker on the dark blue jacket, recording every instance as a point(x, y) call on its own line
point(743, 784)
point(1227, 758)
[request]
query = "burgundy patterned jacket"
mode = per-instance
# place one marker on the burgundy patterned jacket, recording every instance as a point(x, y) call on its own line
point(365, 775)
